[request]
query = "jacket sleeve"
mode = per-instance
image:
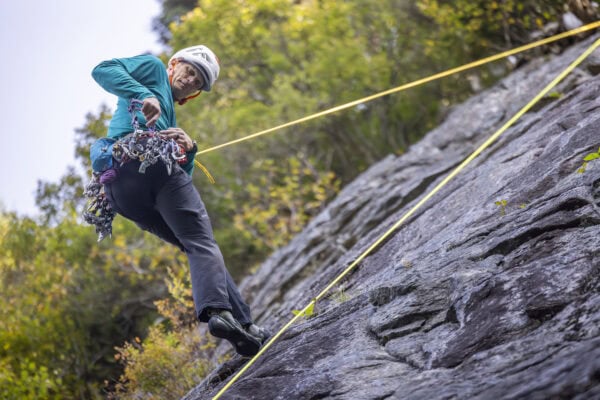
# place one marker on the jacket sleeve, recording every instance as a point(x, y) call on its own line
point(123, 77)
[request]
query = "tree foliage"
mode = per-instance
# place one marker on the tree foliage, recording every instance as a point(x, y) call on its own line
point(469, 29)
point(165, 367)
point(173, 357)
point(171, 10)
point(282, 60)
point(66, 302)
point(283, 201)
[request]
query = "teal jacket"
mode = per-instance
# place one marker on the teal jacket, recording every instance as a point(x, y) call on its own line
point(138, 78)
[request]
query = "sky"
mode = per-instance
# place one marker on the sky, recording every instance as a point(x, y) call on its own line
point(49, 48)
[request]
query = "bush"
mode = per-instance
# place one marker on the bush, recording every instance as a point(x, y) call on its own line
point(165, 367)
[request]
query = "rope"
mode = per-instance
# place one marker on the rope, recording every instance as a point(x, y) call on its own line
point(205, 170)
point(419, 82)
point(383, 237)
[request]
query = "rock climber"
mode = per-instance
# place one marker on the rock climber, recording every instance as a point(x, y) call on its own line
point(162, 200)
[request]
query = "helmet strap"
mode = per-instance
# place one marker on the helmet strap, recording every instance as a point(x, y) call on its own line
point(183, 101)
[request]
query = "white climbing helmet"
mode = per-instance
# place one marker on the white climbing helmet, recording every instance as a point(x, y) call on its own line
point(202, 58)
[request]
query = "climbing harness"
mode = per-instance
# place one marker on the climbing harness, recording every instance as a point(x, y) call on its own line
point(146, 146)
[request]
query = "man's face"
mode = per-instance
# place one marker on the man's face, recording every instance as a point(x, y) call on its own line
point(186, 81)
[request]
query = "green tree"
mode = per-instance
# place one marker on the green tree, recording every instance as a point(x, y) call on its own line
point(67, 302)
point(283, 60)
point(171, 11)
point(471, 29)
point(283, 201)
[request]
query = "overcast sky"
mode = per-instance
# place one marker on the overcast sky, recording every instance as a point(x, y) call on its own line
point(48, 51)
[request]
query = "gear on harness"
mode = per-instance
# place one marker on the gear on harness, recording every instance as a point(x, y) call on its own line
point(99, 213)
point(146, 146)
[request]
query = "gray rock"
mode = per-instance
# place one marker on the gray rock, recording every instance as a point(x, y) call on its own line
point(468, 299)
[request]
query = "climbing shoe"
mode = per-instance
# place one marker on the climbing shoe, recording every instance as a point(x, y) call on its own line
point(221, 324)
point(261, 334)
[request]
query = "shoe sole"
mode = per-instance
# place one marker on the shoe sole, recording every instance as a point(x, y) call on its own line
point(244, 344)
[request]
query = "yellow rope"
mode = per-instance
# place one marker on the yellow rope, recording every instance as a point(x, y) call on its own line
point(383, 237)
point(205, 170)
point(422, 81)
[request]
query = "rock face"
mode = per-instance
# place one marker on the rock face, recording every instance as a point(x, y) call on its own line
point(470, 298)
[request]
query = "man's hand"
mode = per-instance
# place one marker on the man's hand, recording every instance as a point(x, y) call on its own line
point(151, 110)
point(180, 137)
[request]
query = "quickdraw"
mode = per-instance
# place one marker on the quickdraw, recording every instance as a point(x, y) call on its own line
point(99, 213)
point(146, 146)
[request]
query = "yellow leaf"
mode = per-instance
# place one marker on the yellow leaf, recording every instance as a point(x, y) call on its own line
point(308, 312)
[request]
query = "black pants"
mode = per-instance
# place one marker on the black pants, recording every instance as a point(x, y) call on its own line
point(171, 208)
